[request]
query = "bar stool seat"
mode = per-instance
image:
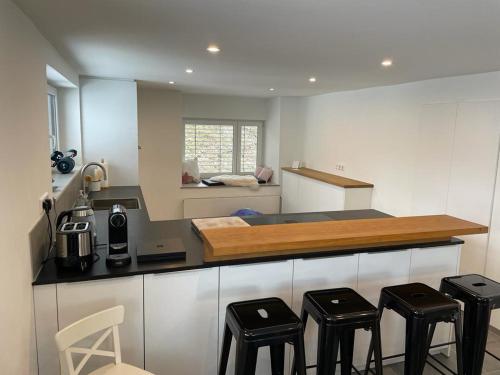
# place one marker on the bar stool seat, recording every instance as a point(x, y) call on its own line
point(473, 287)
point(480, 295)
point(341, 305)
point(338, 313)
point(262, 322)
point(422, 307)
point(419, 300)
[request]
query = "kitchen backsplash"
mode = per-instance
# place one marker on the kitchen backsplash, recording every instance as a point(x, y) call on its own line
point(39, 236)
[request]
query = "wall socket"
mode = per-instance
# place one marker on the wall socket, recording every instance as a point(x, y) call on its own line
point(339, 167)
point(43, 197)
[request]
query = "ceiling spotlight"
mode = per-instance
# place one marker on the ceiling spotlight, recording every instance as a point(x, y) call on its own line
point(312, 79)
point(271, 89)
point(387, 62)
point(171, 82)
point(189, 70)
point(212, 48)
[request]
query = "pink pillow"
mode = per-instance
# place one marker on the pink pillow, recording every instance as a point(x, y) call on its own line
point(263, 173)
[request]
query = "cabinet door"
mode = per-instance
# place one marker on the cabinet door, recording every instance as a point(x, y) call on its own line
point(377, 270)
point(180, 317)
point(45, 303)
point(78, 300)
point(429, 265)
point(289, 192)
point(246, 282)
point(317, 196)
point(470, 194)
point(315, 274)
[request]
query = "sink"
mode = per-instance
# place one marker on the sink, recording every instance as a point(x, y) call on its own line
point(106, 204)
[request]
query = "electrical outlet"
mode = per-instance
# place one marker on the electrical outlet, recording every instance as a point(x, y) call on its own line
point(44, 196)
point(339, 167)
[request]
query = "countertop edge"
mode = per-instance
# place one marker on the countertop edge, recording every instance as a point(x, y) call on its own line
point(266, 259)
point(329, 178)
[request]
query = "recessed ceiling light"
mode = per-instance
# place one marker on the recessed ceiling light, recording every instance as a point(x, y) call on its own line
point(387, 62)
point(271, 89)
point(312, 79)
point(189, 70)
point(171, 82)
point(212, 48)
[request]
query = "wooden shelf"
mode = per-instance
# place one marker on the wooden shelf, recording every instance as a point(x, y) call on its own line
point(271, 240)
point(332, 179)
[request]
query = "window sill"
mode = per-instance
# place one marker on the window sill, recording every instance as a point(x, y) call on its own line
point(201, 185)
point(61, 181)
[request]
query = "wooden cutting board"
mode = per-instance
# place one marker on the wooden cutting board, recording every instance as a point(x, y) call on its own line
point(279, 239)
point(219, 222)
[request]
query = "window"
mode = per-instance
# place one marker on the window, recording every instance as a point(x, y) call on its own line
point(222, 146)
point(53, 125)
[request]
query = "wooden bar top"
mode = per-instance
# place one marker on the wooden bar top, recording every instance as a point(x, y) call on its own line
point(279, 239)
point(332, 179)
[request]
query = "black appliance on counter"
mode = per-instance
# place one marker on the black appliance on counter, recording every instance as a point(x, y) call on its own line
point(118, 255)
point(161, 250)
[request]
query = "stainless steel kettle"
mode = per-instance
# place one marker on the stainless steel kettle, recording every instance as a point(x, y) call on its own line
point(81, 214)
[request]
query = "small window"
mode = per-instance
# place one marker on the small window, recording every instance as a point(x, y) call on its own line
point(53, 125)
point(223, 147)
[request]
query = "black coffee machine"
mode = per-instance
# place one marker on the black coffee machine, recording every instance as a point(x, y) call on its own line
point(118, 255)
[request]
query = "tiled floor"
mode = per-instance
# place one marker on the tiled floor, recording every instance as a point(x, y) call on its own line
point(491, 365)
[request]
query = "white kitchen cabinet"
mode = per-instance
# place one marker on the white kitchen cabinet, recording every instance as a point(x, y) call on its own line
point(316, 274)
point(378, 270)
point(246, 282)
point(429, 265)
point(289, 192)
point(433, 155)
point(78, 300)
point(493, 255)
point(181, 322)
point(45, 301)
point(304, 194)
point(473, 173)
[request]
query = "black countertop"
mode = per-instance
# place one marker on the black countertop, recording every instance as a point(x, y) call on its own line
point(141, 229)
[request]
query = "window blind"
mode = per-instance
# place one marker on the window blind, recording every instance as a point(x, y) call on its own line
point(212, 143)
point(249, 143)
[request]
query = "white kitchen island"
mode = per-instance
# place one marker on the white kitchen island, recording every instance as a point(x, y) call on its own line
point(174, 320)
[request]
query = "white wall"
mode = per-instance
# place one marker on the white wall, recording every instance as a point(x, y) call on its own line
point(160, 164)
point(23, 134)
point(283, 134)
point(160, 114)
point(429, 147)
point(224, 107)
point(272, 135)
point(70, 132)
point(109, 127)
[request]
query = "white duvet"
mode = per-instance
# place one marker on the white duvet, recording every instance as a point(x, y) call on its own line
point(236, 180)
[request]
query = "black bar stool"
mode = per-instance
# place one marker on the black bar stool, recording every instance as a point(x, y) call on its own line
point(422, 307)
point(338, 313)
point(480, 295)
point(262, 322)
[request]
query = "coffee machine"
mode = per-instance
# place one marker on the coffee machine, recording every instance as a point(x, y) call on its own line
point(118, 255)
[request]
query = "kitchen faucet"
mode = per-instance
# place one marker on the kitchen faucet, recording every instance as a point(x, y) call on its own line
point(82, 173)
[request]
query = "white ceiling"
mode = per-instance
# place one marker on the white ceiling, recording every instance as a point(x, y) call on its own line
point(273, 43)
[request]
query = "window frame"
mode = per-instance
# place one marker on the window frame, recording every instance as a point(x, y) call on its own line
point(236, 124)
point(52, 91)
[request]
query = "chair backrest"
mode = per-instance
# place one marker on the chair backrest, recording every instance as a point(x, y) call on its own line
point(107, 321)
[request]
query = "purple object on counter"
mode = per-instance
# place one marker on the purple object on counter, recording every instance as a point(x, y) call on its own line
point(246, 212)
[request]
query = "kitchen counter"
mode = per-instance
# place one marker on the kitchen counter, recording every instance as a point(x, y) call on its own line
point(332, 179)
point(140, 229)
point(173, 307)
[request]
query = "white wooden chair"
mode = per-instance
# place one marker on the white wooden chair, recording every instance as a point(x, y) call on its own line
point(107, 321)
